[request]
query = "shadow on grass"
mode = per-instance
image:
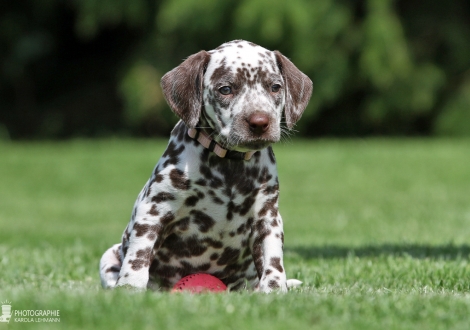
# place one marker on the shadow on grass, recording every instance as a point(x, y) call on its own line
point(448, 251)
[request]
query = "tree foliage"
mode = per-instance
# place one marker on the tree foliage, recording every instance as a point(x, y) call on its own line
point(93, 67)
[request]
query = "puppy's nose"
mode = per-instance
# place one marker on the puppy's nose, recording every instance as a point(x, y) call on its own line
point(259, 123)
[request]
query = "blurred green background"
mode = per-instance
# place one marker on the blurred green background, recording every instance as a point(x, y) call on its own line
point(91, 68)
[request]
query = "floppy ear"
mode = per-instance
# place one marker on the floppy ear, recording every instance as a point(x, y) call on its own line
point(182, 87)
point(298, 89)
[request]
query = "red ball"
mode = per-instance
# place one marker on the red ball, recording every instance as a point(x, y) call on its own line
point(199, 283)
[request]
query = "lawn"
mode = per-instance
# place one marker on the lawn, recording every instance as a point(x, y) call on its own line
point(378, 231)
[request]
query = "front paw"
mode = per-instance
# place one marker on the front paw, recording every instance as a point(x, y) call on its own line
point(132, 282)
point(273, 285)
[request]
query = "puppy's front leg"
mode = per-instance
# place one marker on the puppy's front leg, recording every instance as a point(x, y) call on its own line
point(154, 210)
point(267, 255)
point(267, 243)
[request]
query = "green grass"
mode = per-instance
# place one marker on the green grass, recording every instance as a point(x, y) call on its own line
point(378, 230)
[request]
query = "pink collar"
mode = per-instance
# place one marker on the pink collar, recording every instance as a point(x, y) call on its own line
point(209, 143)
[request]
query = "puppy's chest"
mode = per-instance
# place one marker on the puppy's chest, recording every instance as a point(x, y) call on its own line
point(209, 222)
point(212, 229)
point(204, 241)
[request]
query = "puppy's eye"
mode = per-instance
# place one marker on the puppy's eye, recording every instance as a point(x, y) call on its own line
point(225, 90)
point(275, 88)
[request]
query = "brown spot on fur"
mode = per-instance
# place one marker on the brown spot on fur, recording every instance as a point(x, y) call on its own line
point(142, 259)
point(252, 173)
point(143, 254)
point(214, 182)
point(179, 179)
point(241, 229)
point(201, 182)
point(143, 229)
point(172, 152)
point(217, 200)
point(163, 197)
point(167, 218)
point(184, 247)
point(165, 271)
point(265, 176)
point(183, 224)
point(269, 190)
point(269, 206)
point(276, 263)
point(163, 256)
point(220, 72)
point(191, 201)
point(261, 232)
point(248, 203)
point(228, 256)
point(211, 242)
point(204, 221)
point(153, 210)
point(179, 132)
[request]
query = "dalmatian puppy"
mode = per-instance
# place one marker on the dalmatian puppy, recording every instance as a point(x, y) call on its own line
point(211, 203)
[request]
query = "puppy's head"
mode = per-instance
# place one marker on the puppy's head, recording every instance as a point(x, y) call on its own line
point(238, 93)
